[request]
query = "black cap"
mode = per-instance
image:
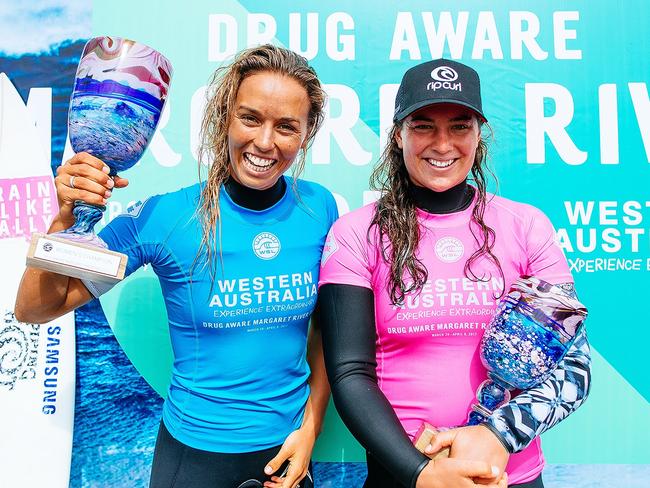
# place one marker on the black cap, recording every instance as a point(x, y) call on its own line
point(438, 81)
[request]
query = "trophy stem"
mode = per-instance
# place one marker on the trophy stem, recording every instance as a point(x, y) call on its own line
point(491, 394)
point(86, 216)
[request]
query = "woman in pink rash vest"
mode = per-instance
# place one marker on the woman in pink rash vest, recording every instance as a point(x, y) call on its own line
point(408, 285)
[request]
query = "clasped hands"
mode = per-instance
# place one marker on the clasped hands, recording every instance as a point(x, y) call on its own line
point(476, 458)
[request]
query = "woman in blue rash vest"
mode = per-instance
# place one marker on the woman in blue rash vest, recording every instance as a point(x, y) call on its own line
point(238, 258)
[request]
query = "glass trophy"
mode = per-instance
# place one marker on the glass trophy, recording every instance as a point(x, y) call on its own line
point(120, 90)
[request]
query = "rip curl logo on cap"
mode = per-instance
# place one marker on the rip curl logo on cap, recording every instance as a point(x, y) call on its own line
point(444, 77)
point(449, 249)
point(444, 73)
point(266, 245)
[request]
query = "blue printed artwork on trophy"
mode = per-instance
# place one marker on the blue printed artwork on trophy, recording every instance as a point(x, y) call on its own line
point(119, 93)
point(120, 90)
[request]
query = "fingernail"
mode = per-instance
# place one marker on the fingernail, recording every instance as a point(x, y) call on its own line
point(495, 471)
point(110, 183)
point(268, 470)
point(106, 169)
point(104, 201)
point(107, 193)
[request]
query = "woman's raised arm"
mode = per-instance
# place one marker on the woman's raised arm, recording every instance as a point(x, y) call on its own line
point(43, 295)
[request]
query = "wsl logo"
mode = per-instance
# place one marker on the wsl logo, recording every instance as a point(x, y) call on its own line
point(266, 245)
point(449, 249)
point(444, 76)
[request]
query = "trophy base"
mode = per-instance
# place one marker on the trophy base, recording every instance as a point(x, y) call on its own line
point(424, 436)
point(75, 259)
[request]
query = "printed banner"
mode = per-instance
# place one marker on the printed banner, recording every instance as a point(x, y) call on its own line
point(565, 89)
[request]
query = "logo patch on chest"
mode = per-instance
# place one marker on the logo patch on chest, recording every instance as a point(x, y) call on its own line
point(266, 245)
point(449, 249)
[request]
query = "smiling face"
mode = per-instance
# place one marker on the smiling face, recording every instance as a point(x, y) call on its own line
point(439, 144)
point(268, 128)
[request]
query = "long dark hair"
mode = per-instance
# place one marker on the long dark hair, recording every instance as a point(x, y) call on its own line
point(396, 220)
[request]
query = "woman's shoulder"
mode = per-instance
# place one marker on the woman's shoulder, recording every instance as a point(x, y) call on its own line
point(310, 189)
point(181, 197)
point(517, 210)
point(164, 205)
point(357, 220)
point(314, 197)
point(351, 232)
point(521, 218)
point(190, 192)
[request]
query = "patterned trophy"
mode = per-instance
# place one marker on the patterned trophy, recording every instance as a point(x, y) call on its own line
point(531, 332)
point(119, 93)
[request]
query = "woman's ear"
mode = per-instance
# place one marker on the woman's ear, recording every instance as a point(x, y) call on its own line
point(398, 137)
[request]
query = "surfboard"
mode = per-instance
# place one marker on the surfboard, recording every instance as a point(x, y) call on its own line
point(37, 362)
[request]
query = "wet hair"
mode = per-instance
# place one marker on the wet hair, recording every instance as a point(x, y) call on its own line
point(213, 150)
point(399, 233)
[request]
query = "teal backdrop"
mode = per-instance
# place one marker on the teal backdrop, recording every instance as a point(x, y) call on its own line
point(565, 88)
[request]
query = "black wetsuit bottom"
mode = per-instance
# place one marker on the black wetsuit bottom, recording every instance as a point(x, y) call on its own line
point(378, 477)
point(176, 465)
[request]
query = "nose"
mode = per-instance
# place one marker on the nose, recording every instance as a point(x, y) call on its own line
point(264, 138)
point(441, 142)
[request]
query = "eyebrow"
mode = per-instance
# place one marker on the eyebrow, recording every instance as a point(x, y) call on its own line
point(422, 118)
point(257, 112)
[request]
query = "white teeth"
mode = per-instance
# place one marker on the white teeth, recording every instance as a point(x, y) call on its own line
point(259, 164)
point(440, 164)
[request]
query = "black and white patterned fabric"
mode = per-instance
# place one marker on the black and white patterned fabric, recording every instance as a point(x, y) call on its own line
point(534, 411)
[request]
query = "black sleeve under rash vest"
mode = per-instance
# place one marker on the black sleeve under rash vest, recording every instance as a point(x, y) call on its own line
point(347, 318)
